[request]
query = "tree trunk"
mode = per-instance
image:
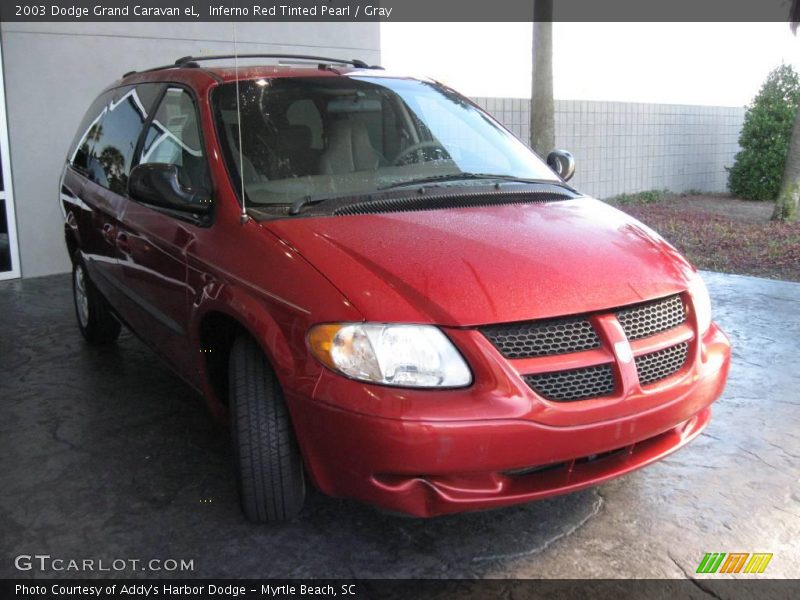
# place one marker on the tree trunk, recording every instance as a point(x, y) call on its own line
point(542, 121)
point(786, 206)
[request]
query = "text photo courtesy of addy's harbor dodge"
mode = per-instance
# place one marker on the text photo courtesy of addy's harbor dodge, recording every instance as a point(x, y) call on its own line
point(321, 11)
point(190, 590)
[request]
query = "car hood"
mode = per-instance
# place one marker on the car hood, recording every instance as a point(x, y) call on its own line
point(473, 266)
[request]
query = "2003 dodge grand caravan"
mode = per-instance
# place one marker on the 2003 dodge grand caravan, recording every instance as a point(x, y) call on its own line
point(381, 288)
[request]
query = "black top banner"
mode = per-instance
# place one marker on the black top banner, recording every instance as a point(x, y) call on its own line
point(395, 10)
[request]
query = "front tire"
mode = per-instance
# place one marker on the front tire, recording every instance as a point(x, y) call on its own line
point(269, 467)
point(95, 320)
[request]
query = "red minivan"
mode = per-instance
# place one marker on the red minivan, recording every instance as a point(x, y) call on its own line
point(381, 288)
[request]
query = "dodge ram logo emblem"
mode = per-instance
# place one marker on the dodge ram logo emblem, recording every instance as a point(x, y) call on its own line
point(623, 352)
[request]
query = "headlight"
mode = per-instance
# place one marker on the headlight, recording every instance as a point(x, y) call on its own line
point(399, 355)
point(701, 302)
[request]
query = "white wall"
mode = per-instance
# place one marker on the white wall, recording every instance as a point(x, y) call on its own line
point(626, 147)
point(54, 70)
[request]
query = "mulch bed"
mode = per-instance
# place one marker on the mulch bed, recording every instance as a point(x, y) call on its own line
point(719, 233)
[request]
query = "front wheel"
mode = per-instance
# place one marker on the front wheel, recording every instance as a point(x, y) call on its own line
point(269, 467)
point(97, 324)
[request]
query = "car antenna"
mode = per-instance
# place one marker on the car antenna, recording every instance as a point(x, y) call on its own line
point(243, 218)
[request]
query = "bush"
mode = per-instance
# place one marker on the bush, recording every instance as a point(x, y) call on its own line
point(646, 197)
point(758, 168)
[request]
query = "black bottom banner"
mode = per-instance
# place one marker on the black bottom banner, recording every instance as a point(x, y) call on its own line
point(411, 589)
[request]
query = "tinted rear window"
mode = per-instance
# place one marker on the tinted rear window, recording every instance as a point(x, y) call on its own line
point(83, 143)
point(109, 133)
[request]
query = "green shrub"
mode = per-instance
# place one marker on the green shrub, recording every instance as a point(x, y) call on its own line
point(646, 197)
point(758, 168)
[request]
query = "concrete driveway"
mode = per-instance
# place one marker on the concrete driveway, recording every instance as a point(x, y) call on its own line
point(106, 454)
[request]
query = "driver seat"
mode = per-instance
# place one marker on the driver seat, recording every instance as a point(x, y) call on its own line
point(349, 149)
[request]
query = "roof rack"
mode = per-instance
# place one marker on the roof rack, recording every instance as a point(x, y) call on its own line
point(189, 61)
point(323, 61)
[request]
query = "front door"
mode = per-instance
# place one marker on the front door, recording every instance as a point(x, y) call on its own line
point(153, 242)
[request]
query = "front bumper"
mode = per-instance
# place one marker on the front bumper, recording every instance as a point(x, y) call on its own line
point(431, 466)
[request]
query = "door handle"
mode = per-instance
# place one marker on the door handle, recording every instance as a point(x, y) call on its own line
point(123, 243)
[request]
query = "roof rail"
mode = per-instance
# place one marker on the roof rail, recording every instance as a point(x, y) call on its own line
point(322, 61)
point(191, 61)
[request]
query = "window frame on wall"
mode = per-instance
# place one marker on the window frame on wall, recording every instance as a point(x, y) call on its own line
point(7, 193)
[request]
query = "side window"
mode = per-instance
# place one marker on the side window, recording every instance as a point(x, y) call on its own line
point(174, 139)
point(84, 141)
point(110, 141)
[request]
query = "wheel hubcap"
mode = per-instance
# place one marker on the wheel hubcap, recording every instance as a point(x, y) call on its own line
point(81, 299)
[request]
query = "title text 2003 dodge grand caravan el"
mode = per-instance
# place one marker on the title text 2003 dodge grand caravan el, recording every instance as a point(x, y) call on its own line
point(412, 309)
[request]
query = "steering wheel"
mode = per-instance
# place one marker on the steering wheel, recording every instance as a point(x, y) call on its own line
point(398, 160)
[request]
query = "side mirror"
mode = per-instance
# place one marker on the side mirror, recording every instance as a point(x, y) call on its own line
point(562, 163)
point(158, 184)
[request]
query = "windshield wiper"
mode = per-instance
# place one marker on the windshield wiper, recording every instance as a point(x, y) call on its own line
point(303, 201)
point(464, 176)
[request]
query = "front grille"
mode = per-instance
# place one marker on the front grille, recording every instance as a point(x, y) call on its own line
point(570, 335)
point(576, 384)
point(650, 318)
point(661, 364)
point(542, 338)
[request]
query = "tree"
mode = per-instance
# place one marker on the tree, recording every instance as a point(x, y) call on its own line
point(542, 122)
point(786, 206)
point(788, 202)
point(759, 165)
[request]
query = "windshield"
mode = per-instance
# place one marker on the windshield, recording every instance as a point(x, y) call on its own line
point(312, 137)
